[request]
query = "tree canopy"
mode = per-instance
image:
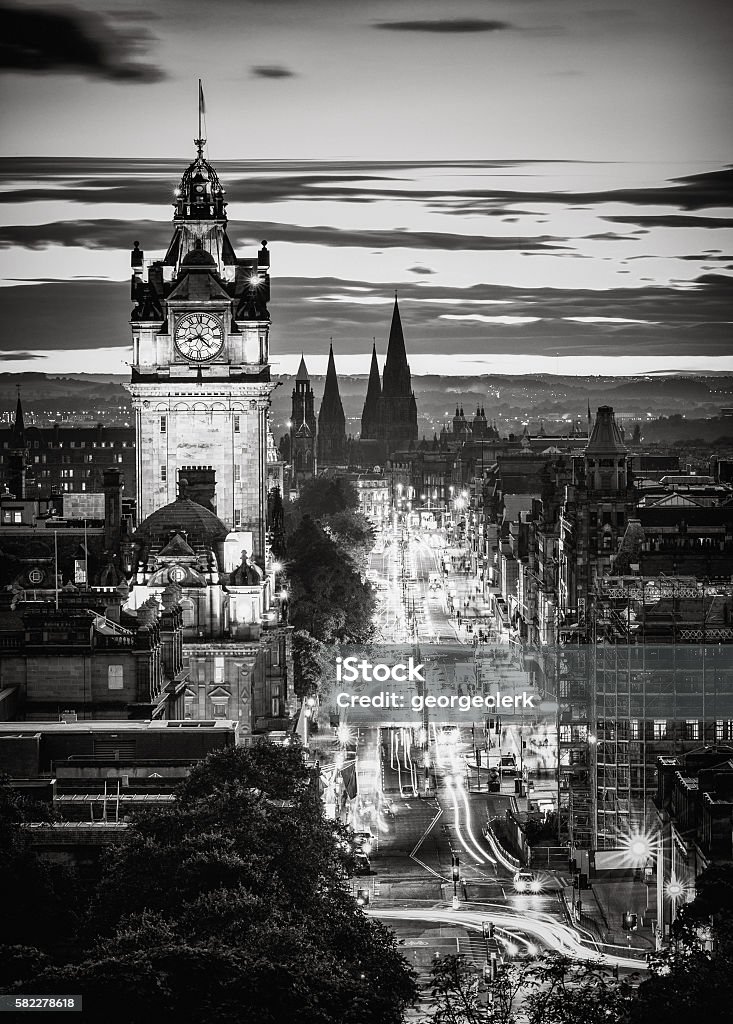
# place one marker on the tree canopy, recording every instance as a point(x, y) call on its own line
point(229, 906)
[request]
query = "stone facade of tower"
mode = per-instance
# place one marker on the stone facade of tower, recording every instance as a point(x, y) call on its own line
point(396, 407)
point(303, 428)
point(200, 367)
point(332, 448)
point(597, 507)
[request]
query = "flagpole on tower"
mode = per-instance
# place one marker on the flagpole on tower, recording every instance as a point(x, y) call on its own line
point(202, 113)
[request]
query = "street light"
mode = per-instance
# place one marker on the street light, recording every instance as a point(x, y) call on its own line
point(456, 875)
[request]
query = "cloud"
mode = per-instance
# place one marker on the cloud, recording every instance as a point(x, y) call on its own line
point(272, 71)
point(68, 40)
point(119, 234)
point(420, 270)
point(445, 25)
point(673, 220)
point(693, 321)
point(480, 318)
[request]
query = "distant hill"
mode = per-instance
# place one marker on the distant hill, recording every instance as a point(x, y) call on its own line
point(511, 400)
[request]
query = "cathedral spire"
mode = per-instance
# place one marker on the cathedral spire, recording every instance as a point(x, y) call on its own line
point(331, 419)
point(369, 416)
point(19, 425)
point(396, 381)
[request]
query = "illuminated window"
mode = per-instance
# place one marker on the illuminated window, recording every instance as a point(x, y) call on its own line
point(660, 729)
point(692, 729)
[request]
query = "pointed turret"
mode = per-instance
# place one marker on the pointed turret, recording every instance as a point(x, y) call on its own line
point(302, 373)
point(369, 414)
point(396, 382)
point(331, 419)
point(606, 455)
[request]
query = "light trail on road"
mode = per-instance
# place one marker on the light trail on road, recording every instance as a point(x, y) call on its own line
point(469, 828)
point(457, 822)
point(554, 935)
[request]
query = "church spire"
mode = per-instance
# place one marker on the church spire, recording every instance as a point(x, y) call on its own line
point(302, 373)
point(19, 425)
point(369, 416)
point(396, 382)
point(331, 419)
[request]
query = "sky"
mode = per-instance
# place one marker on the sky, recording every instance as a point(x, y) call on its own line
point(546, 184)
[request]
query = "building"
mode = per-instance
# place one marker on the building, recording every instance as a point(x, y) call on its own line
point(81, 657)
point(303, 429)
point(209, 480)
point(331, 446)
point(694, 820)
point(40, 462)
point(200, 382)
point(598, 504)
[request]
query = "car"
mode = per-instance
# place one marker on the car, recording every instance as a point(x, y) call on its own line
point(362, 863)
point(526, 881)
point(508, 764)
point(364, 842)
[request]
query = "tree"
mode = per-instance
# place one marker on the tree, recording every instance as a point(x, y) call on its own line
point(550, 989)
point(326, 496)
point(310, 663)
point(329, 600)
point(694, 974)
point(354, 535)
point(230, 906)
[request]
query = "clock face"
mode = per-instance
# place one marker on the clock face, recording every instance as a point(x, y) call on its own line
point(199, 336)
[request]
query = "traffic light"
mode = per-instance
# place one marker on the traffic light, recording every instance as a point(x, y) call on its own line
point(629, 921)
point(572, 865)
point(362, 898)
point(491, 929)
point(455, 868)
point(494, 967)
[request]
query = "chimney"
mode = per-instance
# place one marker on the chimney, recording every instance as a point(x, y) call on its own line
point(198, 483)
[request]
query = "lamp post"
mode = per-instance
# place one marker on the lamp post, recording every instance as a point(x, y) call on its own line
point(456, 876)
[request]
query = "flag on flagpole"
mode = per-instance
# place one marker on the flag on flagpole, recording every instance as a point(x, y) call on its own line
point(202, 105)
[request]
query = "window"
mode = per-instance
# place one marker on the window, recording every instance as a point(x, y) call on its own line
point(723, 730)
point(220, 708)
point(692, 729)
point(163, 473)
point(237, 474)
point(115, 677)
point(163, 424)
point(634, 729)
point(660, 729)
point(236, 424)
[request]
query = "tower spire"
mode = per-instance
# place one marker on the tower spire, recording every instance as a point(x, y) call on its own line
point(331, 419)
point(370, 416)
point(396, 381)
point(19, 425)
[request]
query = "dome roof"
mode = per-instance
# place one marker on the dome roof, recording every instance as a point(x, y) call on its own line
point(184, 516)
point(198, 257)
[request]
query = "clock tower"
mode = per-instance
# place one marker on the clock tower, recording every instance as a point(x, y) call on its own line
point(200, 382)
